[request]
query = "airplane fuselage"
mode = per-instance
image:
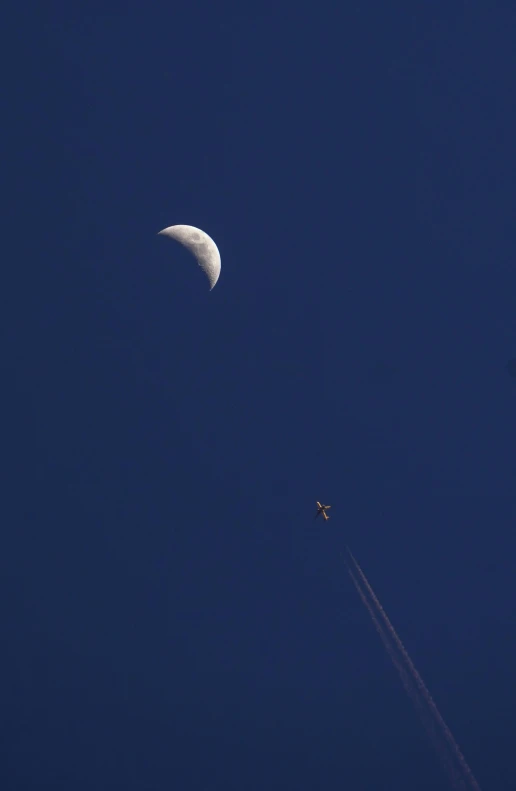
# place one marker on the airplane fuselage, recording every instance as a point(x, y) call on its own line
point(321, 509)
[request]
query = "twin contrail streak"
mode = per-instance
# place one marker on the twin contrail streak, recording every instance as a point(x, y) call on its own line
point(413, 683)
point(411, 690)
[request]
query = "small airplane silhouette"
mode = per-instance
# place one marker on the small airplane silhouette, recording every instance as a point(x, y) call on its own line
point(321, 509)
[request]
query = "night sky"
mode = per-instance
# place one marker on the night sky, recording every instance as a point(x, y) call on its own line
point(173, 617)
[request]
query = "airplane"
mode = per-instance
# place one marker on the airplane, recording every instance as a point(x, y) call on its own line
point(321, 509)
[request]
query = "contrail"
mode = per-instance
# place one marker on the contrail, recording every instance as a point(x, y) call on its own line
point(412, 690)
point(417, 679)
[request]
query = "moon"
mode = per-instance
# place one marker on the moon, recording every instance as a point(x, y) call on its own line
point(201, 246)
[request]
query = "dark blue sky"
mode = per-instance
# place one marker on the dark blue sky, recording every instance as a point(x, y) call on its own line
point(172, 615)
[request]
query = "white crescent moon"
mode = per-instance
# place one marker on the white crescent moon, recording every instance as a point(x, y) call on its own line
point(202, 247)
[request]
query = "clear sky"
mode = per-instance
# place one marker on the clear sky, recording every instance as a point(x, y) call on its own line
point(173, 617)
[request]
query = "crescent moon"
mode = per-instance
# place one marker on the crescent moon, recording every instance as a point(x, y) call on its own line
point(202, 247)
